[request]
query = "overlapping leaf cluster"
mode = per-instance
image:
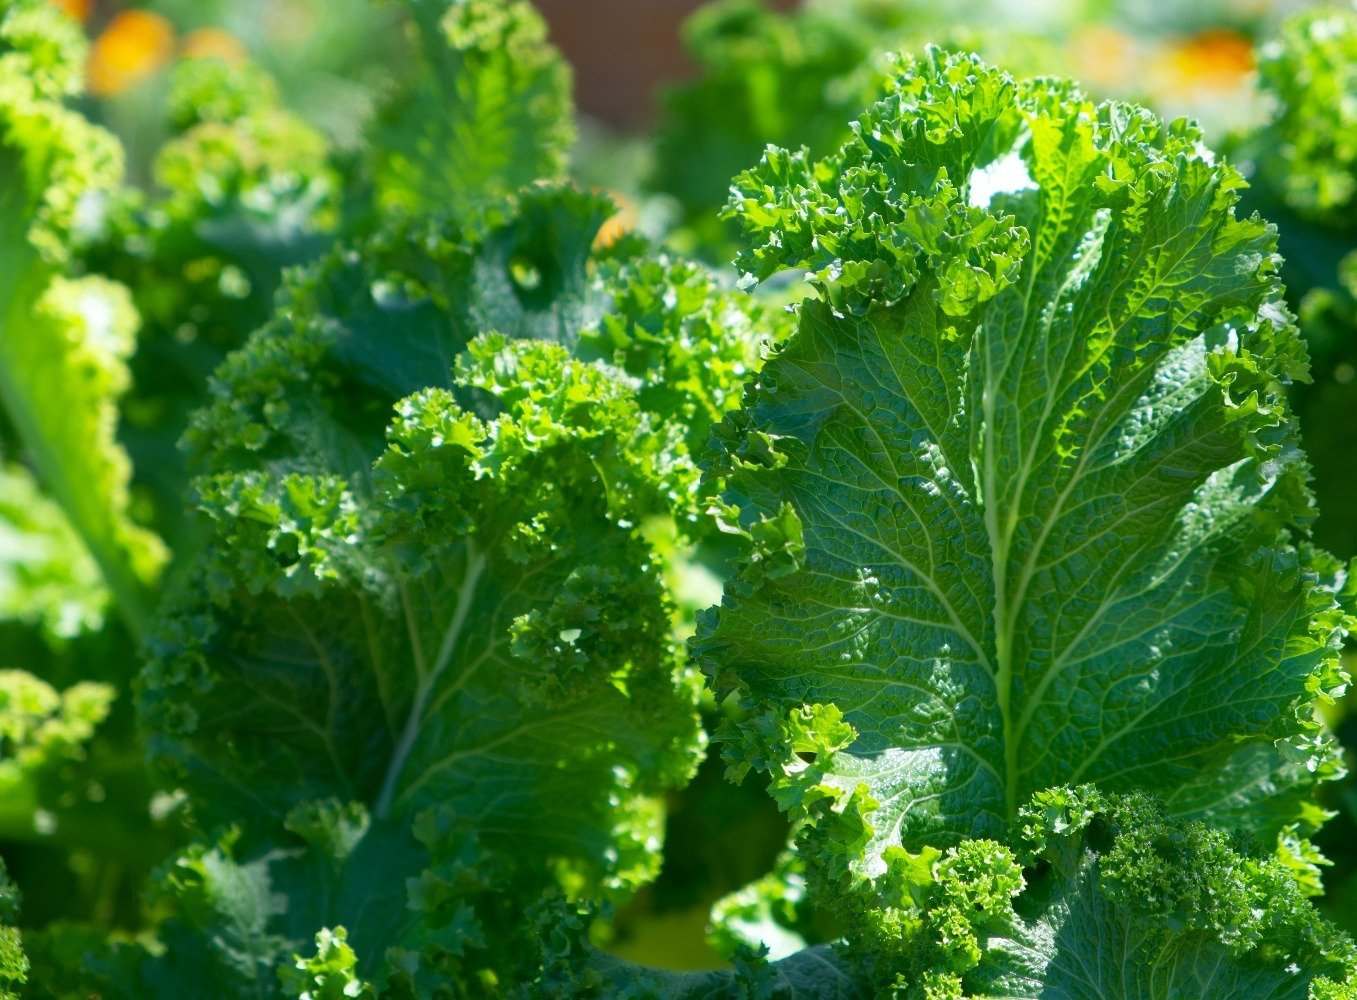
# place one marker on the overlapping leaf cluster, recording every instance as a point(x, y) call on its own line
point(1027, 637)
point(421, 667)
point(1305, 181)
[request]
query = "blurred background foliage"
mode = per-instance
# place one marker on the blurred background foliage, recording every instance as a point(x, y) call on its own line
point(675, 99)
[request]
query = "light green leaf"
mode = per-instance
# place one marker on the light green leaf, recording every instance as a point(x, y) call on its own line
point(489, 112)
point(47, 577)
point(329, 974)
point(64, 341)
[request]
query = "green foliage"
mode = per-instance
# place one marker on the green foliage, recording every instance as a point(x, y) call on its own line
point(1022, 451)
point(1307, 151)
point(507, 656)
point(47, 578)
point(65, 338)
point(1026, 635)
point(13, 963)
point(244, 189)
point(38, 725)
point(1101, 894)
point(792, 79)
point(489, 110)
point(329, 974)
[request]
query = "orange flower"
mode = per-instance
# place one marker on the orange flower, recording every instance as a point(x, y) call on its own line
point(214, 43)
point(134, 45)
point(1217, 59)
point(78, 9)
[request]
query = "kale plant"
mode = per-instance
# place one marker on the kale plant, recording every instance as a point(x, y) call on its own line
point(1025, 636)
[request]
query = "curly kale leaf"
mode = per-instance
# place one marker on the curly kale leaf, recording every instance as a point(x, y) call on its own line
point(1090, 895)
point(373, 323)
point(244, 189)
point(39, 726)
point(1023, 491)
point(1097, 896)
point(792, 78)
point(1307, 151)
point(470, 638)
point(688, 342)
point(64, 339)
point(488, 112)
point(47, 577)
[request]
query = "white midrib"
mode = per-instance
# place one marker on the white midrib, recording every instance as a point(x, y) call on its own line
point(428, 679)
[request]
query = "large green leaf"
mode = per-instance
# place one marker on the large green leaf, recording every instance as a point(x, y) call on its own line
point(1023, 489)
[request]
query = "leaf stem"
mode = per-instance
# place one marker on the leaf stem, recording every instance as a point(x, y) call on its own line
point(475, 567)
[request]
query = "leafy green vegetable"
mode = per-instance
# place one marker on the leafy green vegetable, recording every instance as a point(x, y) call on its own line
point(1082, 381)
point(369, 325)
point(505, 658)
point(792, 79)
point(518, 668)
point(1307, 151)
point(1004, 486)
point(1026, 635)
point(489, 111)
point(245, 189)
point(65, 338)
point(47, 577)
point(37, 724)
point(1102, 895)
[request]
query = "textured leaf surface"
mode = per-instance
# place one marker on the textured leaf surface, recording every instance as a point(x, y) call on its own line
point(1023, 487)
point(314, 388)
point(481, 595)
point(791, 78)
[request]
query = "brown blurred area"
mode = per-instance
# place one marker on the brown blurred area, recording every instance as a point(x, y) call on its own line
point(622, 50)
